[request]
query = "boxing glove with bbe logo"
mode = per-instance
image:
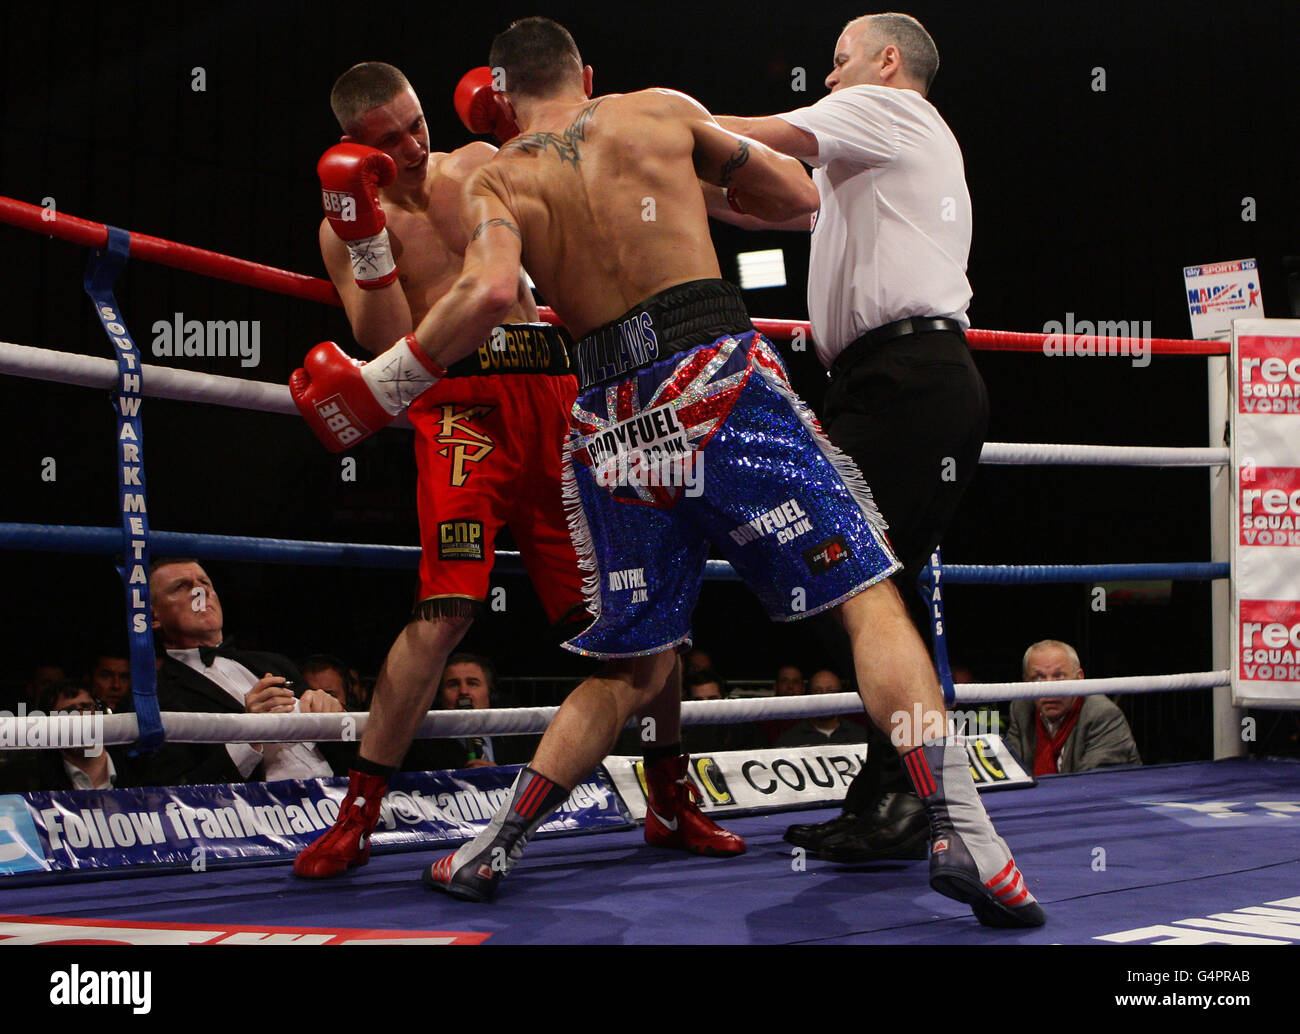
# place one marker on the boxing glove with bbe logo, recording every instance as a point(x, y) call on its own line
point(350, 178)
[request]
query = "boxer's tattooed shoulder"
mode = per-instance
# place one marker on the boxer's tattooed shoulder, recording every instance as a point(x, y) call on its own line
point(478, 230)
point(739, 158)
point(564, 144)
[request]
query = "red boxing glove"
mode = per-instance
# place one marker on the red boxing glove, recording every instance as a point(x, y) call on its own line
point(345, 402)
point(350, 178)
point(478, 108)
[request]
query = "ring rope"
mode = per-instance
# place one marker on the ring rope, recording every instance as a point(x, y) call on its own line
point(282, 281)
point(44, 732)
point(166, 382)
point(108, 542)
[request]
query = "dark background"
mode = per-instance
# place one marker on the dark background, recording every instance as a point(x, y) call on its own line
point(1085, 202)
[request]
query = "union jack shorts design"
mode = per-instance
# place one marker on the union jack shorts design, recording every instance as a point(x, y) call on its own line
point(707, 446)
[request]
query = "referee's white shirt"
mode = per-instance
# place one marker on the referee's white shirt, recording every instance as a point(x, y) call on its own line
point(893, 234)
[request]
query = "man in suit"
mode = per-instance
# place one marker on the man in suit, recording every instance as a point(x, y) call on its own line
point(81, 767)
point(1063, 733)
point(198, 673)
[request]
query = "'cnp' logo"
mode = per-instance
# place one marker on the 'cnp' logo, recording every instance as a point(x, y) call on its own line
point(345, 427)
point(464, 443)
point(460, 540)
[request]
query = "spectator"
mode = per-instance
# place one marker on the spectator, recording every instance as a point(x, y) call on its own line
point(43, 677)
point(708, 739)
point(74, 768)
point(789, 683)
point(1063, 733)
point(697, 660)
point(201, 672)
point(110, 680)
point(813, 732)
point(469, 682)
point(329, 675)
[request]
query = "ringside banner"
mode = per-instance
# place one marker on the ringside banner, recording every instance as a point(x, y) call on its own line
point(794, 777)
point(196, 826)
point(1265, 437)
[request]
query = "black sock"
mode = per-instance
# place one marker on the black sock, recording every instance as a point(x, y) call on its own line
point(366, 767)
point(653, 754)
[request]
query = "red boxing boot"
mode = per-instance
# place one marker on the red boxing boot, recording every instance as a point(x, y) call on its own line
point(347, 844)
point(673, 819)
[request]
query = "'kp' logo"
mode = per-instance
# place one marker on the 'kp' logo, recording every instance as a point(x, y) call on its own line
point(465, 444)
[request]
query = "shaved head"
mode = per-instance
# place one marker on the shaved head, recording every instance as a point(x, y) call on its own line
point(915, 46)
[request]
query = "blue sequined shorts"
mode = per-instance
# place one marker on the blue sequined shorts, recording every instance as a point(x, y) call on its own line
point(710, 446)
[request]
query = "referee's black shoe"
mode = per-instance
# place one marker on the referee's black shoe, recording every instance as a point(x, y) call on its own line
point(897, 829)
point(812, 835)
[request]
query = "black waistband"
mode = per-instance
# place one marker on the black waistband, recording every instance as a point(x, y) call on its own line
point(681, 317)
point(518, 348)
point(860, 348)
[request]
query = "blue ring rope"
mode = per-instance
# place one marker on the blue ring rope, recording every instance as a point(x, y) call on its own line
point(108, 541)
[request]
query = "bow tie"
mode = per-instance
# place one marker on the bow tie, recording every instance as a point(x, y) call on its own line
point(207, 654)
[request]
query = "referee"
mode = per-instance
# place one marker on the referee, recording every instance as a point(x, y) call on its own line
point(887, 298)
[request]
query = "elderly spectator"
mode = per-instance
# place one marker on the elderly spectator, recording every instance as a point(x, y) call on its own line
point(202, 672)
point(1064, 733)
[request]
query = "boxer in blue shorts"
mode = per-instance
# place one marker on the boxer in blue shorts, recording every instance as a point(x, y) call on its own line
point(747, 469)
point(600, 198)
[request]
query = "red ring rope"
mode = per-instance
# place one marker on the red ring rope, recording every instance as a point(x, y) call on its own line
point(254, 274)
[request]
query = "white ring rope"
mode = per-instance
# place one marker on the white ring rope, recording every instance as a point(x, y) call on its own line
point(1027, 454)
point(41, 731)
point(160, 382)
point(165, 382)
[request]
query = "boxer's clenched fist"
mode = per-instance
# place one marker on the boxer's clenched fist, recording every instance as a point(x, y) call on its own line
point(478, 107)
point(350, 178)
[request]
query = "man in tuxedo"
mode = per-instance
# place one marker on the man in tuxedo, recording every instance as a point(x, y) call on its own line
point(199, 673)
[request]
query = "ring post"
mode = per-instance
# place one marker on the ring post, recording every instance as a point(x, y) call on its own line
point(1228, 740)
point(102, 272)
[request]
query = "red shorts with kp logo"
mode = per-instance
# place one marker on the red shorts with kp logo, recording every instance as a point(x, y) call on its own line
point(488, 450)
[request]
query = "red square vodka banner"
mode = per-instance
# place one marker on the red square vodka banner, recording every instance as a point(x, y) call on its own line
point(1266, 512)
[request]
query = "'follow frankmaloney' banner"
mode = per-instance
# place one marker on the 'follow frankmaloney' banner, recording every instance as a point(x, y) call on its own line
point(197, 826)
point(1266, 513)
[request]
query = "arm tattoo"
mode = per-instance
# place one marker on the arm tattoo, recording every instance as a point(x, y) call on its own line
point(478, 230)
point(734, 162)
point(565, 144)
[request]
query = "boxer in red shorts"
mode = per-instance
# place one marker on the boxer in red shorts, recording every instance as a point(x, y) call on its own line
point(488, 437)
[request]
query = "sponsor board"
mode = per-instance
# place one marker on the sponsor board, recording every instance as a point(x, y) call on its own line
point(197, 826)
point(1219, 293)
point(1265, 437)
point(750, 781)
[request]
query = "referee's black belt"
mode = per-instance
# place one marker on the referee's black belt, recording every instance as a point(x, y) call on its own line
point(873, 339)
